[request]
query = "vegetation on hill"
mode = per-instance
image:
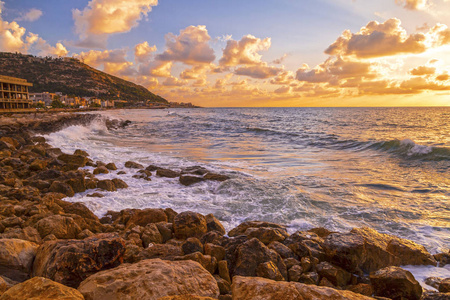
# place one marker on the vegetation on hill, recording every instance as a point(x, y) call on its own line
point(71, 77)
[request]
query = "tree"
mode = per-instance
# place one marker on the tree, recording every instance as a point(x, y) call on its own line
point(57, 104)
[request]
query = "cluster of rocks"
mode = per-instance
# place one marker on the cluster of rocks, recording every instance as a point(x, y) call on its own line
point(54, 249)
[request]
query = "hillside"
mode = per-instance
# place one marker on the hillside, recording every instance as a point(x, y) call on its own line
point(71, 77)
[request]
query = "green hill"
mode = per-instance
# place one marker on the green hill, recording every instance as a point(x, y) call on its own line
point(71, 77)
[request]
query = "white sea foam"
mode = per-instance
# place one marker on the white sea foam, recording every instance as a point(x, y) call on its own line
point(423, 272)
point(416, 149)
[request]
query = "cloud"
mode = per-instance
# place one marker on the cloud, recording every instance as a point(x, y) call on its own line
point(280, 60)
point(422, 70)
point(245, 51)
point(143, 52)
point(413, 4)
point(260, 71)
point(96, 58)
point(190, 47)
point(173, 81)
point(31, 16)
point(104, 17)
point(443, 77)
point(156, 69)
point(46, 49)
point(196, 72)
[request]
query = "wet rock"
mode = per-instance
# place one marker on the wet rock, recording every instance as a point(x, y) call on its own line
point(16, 258)
point(78, 161)
point(294, 273)
point(337, 276)
point(434, 281)
point(119, 183)
point(251, 254)
point(189, 224)
point(166, 173)
point(121, 173)
point(261, 288)
point(111, 166)
point(428, 295)
point(240, 230)
point(321, 232)
point(38, 288)
point(95, 195)
point(150, 279)
point(71, 261)
point(346, 250)
point(192, 245)
point(146, 216)
point(443, 259)
point(100, 170)
point(63, 188)
point(81, 152)
point(195, 170)
point(267, 235)
point(107, 185)
point(39, 184)
point(188, 180)
point(171, 214)
point(133, 165)
point(213, 224)
point(306, 244)
point(444, 286)
point(61, 226)
point(151, 234)
point(215, 177)
point(395, 283)
point(143, 174)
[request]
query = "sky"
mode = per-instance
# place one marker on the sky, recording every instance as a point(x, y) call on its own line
point(251, 53)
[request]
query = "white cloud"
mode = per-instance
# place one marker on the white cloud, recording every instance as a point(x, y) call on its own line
point(32, 15)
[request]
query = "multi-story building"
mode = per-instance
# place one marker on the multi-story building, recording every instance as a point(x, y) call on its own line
point(14, 93)
point(45, 98)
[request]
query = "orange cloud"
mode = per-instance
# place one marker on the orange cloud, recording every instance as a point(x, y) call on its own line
point(190, 47)
point(378, 39)
point(422, 70)
point(260, 71)
point(156, 69)
point(110, 16)
point(245, 51)
point(143, 52)
point(413, 4)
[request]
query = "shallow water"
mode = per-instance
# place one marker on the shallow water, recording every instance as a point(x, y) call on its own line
point(387, 168)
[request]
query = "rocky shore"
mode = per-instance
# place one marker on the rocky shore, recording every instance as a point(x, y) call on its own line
point(54, 249)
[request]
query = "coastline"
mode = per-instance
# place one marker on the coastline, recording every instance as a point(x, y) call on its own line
point(35, 178)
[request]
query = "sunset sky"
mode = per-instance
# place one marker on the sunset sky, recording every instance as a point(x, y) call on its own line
point(250, 52)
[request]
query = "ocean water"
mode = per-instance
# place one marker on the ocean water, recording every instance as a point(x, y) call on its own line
point(339, 168)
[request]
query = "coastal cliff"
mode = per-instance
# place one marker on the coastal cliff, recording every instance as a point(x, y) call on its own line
point(52, 248)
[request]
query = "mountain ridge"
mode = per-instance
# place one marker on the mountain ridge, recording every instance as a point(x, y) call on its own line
point(72, 77)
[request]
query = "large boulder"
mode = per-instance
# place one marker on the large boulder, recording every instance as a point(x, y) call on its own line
point(146, 216)
point(38, 288)
point(62, 227)
point(78, 161)
point(395, 283)
point(71, 261)
point(16, 258)
point(265, 289)
point(150, 279)
point(242, 228)
point(346, 250)
point(189, 224)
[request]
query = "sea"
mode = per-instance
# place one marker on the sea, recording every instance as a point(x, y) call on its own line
point(338, 168)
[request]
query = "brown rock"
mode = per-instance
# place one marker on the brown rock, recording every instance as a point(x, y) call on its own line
point(78, 161)
point(261, 288)
point(213, 224)
point(309, 278)
point(321, 232)
point(61, 226)
point(81, 152)
point(119, 183)
point(284, 251)
point(346, 250)
point(240, 230)
point(337, 276)
point(304, 243)
point(294, 273)
point(95, 195)
point(38, 165)
point(361, 288)
point(151, 234)
point(186, 297)
point(192, 245)
point(100, 170)
point(38, 288)
point(434, 282)
point(224, 286)
point(166, 230)
point(163, 251)
point(223, 270)
point(251, 254)
point(63, 188)
point(216, 251)
point(111, 166)
point(267, 235)
point(444, 286)
point(269, 270)
point(410, 253)
point(146, 216)
point(166, 173)
point(189, 224)
point(28, 234)
point(145, 279)
point(442, 258)
point(207, 262)
point(107, 185)
point(428, 295)
point(216, 177)
point(16, 258)
point(187, 180)
point(133, 165)
point(71, 261)
point(395, 283)
point(170, 213)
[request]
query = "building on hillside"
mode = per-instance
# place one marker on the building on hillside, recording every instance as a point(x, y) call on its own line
point(44, 98)
point(14, 93)
point(107, 103)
